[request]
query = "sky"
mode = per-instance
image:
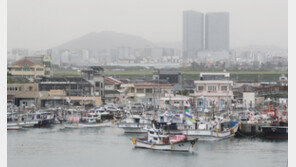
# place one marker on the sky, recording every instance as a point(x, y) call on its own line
point(42, 24)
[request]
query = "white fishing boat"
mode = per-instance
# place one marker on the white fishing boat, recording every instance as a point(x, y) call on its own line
point(23, 120)
point(210, 132)
point(157, 140)
point(78, 125)
point(135, 124)
point(14, 127)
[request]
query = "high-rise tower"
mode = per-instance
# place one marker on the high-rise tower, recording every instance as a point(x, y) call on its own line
point(217, 31)
point(193, 33)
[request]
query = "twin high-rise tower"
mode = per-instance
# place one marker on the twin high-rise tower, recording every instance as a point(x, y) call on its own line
point(204, 32)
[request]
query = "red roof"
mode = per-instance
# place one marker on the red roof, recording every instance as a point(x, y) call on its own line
point(24, 62)
point(112, 80)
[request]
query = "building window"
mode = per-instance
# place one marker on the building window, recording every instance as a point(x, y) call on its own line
point(140, 90)
point(47, 64)
point(39, 69)
point(98, 84)
point(132, 90)
point(148, 90)
point(30, 88)
point(200, 88)
point(224, 88)
point(47, 72)
point(212, 88)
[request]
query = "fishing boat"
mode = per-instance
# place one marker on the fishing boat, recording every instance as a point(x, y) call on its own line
point(46, 119)
point(14, 127)
point(23, 120)
point(92, 120)
point(278, 128)
point(135, 124)
point(213, 131)
point(157, 140)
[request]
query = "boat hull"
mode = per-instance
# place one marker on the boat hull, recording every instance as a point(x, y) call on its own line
point(184, 146)
point(135, 130)
point(27, 124)
point(14, 127)
point(210, 135)
point(275, 132)
point(45, 123)
point(79, 126)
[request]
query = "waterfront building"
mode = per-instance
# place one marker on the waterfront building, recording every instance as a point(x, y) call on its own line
point(112, 87)
point(217, 31)
point(213, 91)
point(171, 101)
point(193, 33)
point(172, 77)
point(146, 92)
point(95, 76)
point(249, 100)
point(23, 94)
point(283, 80)
point(73, 86)
point(31, 67)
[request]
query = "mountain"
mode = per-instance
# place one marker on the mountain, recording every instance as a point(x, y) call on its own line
point(105, 40)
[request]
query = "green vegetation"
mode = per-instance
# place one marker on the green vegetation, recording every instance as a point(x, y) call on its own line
point(277, 96)
point(9, 81)
point(255, 76)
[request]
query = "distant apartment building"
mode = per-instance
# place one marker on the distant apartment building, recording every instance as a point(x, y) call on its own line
point(217, 31)
point(20, 52)
point(193, 33)
point(213, 91)
point(32, 67)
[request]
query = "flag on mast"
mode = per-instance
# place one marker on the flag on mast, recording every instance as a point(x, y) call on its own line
point(188, 116)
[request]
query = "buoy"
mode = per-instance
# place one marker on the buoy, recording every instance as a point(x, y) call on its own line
point(134, 141)
point(152, 145)
point(172, 146)
point(18, 123)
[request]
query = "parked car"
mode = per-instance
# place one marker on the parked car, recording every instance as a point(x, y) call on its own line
point(111, 109)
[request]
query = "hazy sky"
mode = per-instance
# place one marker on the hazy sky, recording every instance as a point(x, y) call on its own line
point(37, 24)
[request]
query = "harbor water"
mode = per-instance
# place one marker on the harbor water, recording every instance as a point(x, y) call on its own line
point(57, 147)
